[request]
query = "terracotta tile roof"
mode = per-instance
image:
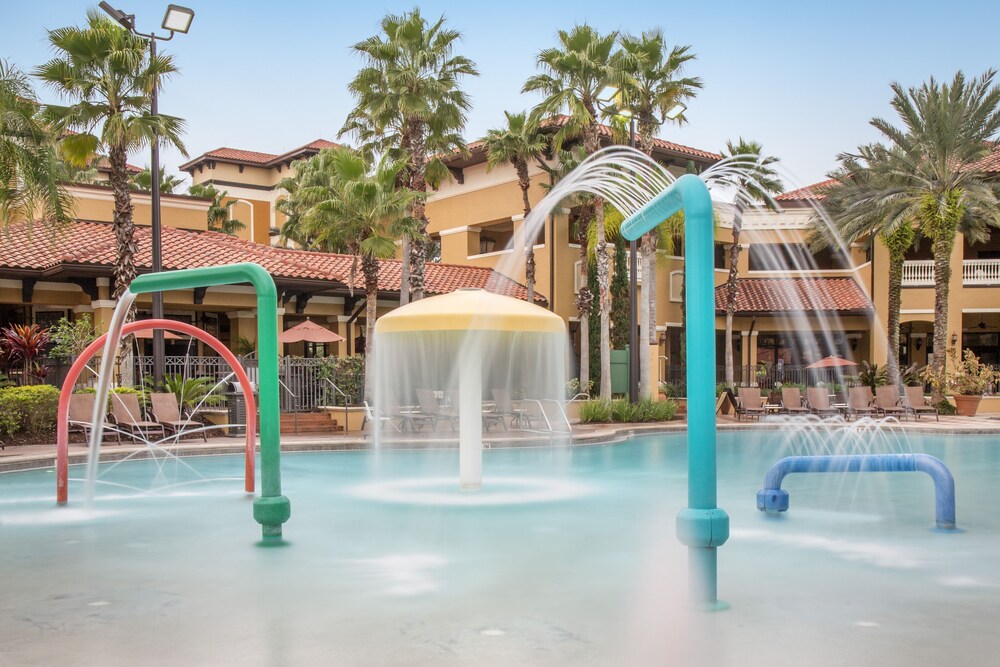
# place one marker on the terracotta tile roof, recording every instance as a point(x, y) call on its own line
point(605, 131)
point(991, 163)
point(784, 295)
point(92, 244)
point(104, 164)
point(814, 191)
point(241, 156)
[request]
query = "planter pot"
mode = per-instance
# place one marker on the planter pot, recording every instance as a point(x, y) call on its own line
point(967, 406)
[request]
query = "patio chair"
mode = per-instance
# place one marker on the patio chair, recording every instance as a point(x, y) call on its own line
point(406, 418)
point(887, 401)
point(916, 403)
point(81, 412)
point(750, 403)
point(429, 406)
point(859, 403)
point(167, 413)
point(504, 407)
point(128, 415)
point(791, 401)
point(818, 399)
point(370, 418)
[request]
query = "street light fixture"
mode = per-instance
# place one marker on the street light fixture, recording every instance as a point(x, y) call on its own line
point(176, 19)
point(675, 111)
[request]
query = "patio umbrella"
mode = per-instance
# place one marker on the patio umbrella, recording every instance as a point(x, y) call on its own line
point(309, 331)
point(832, 361)
point(146, 334)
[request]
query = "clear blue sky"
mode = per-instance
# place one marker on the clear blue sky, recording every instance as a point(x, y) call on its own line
point(801, 77)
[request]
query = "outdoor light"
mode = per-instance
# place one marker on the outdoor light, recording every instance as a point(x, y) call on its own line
point(919, 344)
point(675, 111)
point(118, 15)
point(607, 94)
point(177, 19)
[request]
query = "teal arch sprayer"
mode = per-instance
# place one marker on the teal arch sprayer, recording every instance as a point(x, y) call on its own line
point(271, 509)
point(701, 526)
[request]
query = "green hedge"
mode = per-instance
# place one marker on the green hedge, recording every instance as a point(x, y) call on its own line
point(29, 409)
point(621, 411)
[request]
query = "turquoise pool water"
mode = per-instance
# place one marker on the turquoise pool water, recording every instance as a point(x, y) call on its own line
point(567, 558)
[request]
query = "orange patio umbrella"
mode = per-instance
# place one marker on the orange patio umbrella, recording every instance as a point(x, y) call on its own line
point(148, 333)
point(309, 331)
point(832, 361)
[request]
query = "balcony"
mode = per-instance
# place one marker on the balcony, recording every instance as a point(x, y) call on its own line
point(975, 272)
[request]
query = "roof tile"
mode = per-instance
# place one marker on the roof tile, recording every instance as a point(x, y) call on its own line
point(783, 295)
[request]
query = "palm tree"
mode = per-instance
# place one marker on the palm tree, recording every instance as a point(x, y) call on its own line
point(519, 143)
point(758, 183)
point(857, 209)
point(29, 165)
point(651, 90)
point(361, 211)
point(220, 217)
point(107, 74)
point(574, 75)
point(143, 181)
point(411, 106)
point(932, 174)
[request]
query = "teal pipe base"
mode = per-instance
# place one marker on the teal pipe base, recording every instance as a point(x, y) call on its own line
point(270, 512)
point(702, 527)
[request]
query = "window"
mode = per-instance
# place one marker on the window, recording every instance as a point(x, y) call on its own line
point(720, 256)
point(676, 285)
point(794, 257)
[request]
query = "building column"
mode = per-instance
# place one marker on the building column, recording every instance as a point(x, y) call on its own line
point(342, 329)
point(744, 348)
point(242, 324)
point(752, 361)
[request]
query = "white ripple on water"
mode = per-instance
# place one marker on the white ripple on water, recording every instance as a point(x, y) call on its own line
point(873, 553)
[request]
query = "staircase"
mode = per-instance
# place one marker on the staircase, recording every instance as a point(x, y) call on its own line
point(309, 423)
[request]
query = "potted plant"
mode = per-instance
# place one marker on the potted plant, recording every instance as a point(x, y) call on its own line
point(966, 379)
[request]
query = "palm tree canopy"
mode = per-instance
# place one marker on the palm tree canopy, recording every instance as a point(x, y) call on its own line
point(107, 72)
point(654, 85)
point(574, 74)
point(29, 166)
point(520, 141)
point(219, 212)
point(143, 181)
point(758, 181)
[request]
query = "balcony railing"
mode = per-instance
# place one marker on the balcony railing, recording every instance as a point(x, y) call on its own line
point(920, 272)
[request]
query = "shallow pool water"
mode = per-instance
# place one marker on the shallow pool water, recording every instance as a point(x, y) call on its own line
point(387, 563)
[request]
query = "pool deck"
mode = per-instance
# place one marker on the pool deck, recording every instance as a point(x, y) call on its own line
point(27, 457)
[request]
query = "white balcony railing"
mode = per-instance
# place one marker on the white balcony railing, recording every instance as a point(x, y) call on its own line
point(981, 272)
point(920, 272)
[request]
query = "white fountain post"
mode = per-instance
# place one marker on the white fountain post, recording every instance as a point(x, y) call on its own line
point(470, 418)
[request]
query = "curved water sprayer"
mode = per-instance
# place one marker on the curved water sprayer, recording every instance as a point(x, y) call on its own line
point(271, 509)
point(702, 526)
point(772, 498)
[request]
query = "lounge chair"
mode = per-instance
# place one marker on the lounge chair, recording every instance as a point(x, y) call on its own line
point(859, 402)
point(916, 403)
point(406, 418)
point(791, 401)
point(167, 412)
point(370, 418)
point(818, 399)
point(750, 403)
point(887, 401)
point(128, 415)
point(429, 406)
point(81, 412)
point(504, 407)
point(489, 417)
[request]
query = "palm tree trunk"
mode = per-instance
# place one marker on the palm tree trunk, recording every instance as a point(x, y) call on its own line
point(123, 226)
point(404, 269)
point(604, 299)
point(898, 242)
point(584, 302)
point(646, 323)
point(529, 251)
point(418, 244)
point(369, 267)
point(942, 247)
point(731, 290)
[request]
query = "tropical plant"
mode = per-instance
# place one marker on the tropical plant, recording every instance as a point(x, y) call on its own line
point(519, 143)
point(855, 207)
point(409, 104)
point(872, 376)
point(621, 411)
point(967, 376)
point(143, 181)
point(574, 75)
point(756, 184)
point(220, 214)
point(107, 74)
point(25, 343)
point(359, 210)
point(30, 169)
point(933, 172)
point(71, 337)
point(650, 92)
point(192, 393)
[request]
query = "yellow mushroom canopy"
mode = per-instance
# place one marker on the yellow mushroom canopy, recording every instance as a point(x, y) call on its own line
point(470, 310)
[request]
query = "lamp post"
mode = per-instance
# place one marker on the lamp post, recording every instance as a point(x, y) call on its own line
point(176, 19)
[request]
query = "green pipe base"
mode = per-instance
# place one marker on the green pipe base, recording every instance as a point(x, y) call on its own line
point(270, 512)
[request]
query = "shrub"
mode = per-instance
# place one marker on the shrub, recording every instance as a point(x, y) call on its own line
point(573, 388)
point(142, 394)
point(597, 411)
point(348, 373)
point(966, 376)
point(621, 411)
point(29, 408)
point(70, 338)
point(673, 389)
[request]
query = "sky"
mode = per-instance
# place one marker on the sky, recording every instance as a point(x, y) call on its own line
point(802, 78)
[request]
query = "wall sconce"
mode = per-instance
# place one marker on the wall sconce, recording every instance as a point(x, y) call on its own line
point(854, 343)
point(954, 337)
point(919, 343)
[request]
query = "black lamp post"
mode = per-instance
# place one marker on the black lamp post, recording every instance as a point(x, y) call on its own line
point(176, 19)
